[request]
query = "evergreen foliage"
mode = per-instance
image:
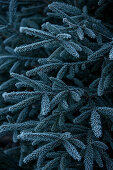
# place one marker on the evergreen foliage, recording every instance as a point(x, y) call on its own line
point(56, 84)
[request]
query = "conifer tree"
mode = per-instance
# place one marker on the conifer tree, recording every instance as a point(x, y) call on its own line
point(56, 84)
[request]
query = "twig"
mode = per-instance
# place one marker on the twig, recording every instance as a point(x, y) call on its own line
point(46, 1)
point(76, 3)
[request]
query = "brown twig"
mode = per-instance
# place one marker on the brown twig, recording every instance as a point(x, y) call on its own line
point(76, 3)
point(46, 1)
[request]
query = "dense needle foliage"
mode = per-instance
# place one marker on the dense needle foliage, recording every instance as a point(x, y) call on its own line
point(56, 84)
